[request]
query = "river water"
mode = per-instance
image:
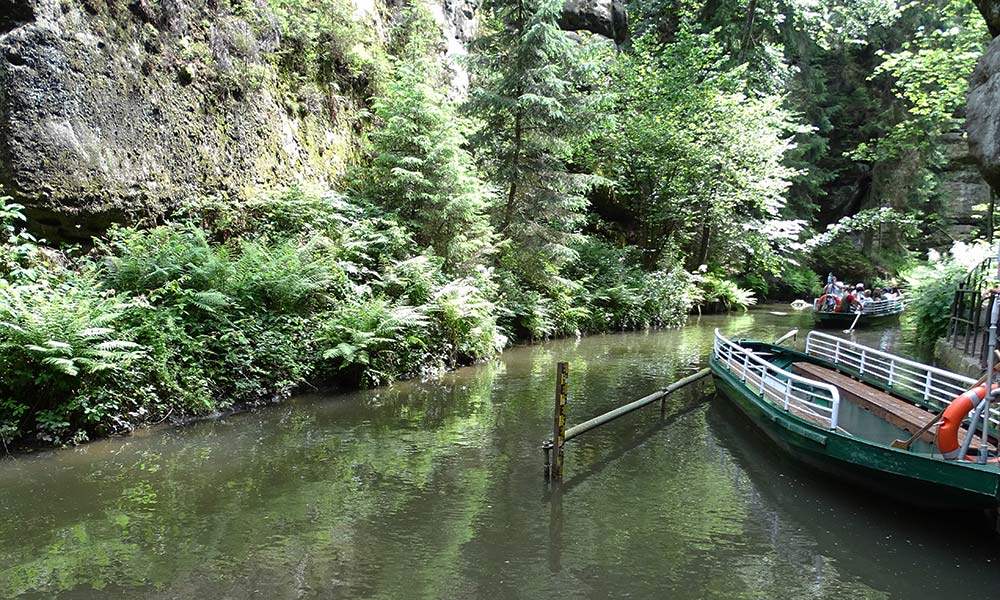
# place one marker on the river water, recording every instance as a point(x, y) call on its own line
point(434, 490)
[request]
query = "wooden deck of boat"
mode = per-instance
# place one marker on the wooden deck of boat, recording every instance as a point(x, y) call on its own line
point(899, 413)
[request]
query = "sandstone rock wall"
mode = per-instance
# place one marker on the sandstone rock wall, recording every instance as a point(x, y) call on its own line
point(111, 107)
point(983, 114)
point(964, 188)
point(119, 109)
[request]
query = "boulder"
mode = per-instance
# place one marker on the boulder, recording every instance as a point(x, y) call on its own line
point(991, 13)
point(983, 114)
point(603, 17)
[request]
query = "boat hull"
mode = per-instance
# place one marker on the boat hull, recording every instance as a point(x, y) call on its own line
point(840, 320)
point(911, 478)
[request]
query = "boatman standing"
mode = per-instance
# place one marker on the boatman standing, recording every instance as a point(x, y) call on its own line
point(833, 287)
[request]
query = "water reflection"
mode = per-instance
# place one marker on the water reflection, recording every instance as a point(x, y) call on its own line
point(434, 490)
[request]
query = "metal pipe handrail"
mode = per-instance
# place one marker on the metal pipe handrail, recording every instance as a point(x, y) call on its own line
point(613, 414)
point(768, 377)
point(935, 386)
point(873, 352)
point(883, 307)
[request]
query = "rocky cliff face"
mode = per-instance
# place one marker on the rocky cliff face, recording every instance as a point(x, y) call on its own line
point(983, 119)
point(110, 107)
point(113, 108)
point(964, 188)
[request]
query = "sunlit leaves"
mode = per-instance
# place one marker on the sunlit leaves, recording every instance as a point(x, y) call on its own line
point(866, 220)
point(930, 74)
point(421, 170)
point(695, 155)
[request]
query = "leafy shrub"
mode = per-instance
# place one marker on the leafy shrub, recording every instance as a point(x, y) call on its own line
point(717, 293)
point(373, 342)
point(466, 322)
point(18, 251)
point(59, 342)
point(291, 212)
point(670, 295)
point(620, 295)
point(224, 323)
point(932, 290)
point(285, 276)
point(147, 260)
point(843, 259)
point(756, 283)
point(796, 281)
point(413, 280)
point(933, 285)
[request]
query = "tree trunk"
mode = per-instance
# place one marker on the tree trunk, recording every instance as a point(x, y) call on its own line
point(990, 208)
point(706, 239)
point(508, 214)
point(747, 32)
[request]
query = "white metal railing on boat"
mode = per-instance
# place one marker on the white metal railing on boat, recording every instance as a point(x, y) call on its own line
point(872, 308)
point(783, 388)
point(936, 387)
point(882, 307)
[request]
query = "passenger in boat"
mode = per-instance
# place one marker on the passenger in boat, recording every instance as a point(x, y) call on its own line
point(833, 287)
point(851, 302)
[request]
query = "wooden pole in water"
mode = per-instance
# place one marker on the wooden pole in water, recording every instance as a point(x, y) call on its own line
point(559, 422)
point(553, 448)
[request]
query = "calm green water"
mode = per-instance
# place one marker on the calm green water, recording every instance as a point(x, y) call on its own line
point(434, 490)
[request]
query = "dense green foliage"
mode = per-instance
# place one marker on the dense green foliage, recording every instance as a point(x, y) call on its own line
point(697, 159)
point(420, 170)
point(729, 152)
point(933, 285)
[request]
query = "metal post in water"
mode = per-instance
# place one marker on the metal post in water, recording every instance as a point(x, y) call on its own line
point(984, 444)
point(559, 422)
point(547, 465)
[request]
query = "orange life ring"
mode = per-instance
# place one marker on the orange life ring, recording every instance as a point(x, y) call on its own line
point(822, 299)
point(951, 421)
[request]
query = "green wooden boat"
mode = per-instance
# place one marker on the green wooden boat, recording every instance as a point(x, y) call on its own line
point(876, 312)
point(839, 405)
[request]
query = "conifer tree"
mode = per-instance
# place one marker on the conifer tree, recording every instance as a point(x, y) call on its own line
point(528, 88)
point(421, 170)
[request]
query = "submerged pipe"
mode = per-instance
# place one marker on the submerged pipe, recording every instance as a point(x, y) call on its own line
point(790, 334)
point(611, 415)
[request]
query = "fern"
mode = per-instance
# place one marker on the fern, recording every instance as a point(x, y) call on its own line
point(67, 366)
point(57, 340)
point(372, 339)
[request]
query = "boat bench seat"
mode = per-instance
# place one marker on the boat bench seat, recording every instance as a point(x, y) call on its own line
point(899, 413)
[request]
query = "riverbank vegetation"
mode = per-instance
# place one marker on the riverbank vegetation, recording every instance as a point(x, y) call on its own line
point(728, 152)
point(932, 286)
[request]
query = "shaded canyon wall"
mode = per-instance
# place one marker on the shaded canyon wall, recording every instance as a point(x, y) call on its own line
point(111, 110)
